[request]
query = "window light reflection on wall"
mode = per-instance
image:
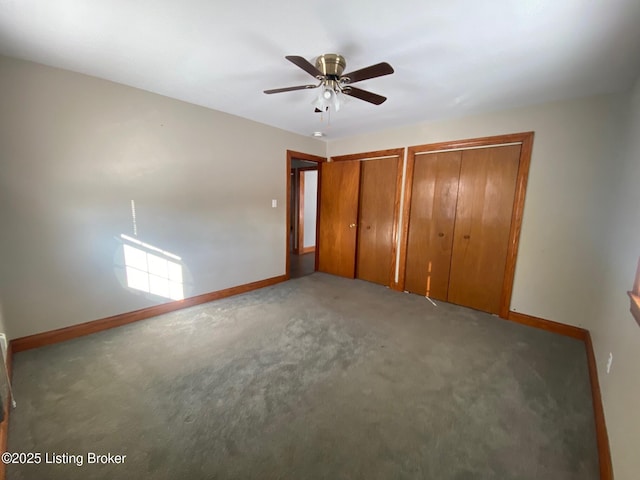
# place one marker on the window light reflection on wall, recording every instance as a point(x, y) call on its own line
point(154, 273)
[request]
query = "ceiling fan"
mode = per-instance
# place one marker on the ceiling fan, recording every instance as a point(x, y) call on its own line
point(328, 71)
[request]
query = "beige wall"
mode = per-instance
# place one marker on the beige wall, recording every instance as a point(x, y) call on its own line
point(74, 151)
point(580, 238)
point(616, 331)
point(562, 236)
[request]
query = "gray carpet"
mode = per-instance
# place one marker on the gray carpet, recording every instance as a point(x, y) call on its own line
point(315, 378)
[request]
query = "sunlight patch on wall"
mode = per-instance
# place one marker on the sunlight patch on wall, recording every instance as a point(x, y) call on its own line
point(152, 270)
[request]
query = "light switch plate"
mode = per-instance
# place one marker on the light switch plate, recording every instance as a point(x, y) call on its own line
point(274, 203)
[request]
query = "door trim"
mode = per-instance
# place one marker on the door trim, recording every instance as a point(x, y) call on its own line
point(368, 155)
point(526, 140)
point(291, 154)
point(376, 155)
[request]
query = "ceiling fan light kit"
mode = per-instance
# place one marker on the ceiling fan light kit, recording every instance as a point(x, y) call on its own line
point(330, 97)
point(328, 71)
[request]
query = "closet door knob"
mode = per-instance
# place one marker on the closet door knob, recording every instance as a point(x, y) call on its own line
point(467, 237)
point(441, 234)
point(351, 225)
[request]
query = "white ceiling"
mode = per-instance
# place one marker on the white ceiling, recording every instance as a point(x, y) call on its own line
point(451, 57)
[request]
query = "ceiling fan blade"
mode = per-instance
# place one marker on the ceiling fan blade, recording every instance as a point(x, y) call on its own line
point(373, 71)
point(304, 65)
point(290, 89)
point(364, 95)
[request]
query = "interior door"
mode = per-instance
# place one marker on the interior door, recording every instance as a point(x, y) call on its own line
point(434, 194)
point(483, 222)
point(337, 232)
point(377, 213)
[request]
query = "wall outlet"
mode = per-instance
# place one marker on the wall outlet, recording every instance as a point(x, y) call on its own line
point(609, 362)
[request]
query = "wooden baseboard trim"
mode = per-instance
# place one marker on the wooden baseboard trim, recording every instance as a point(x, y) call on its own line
point(602, 437)
point(551, 326)
point(4, 426)
point(604, 451)
point(67, 333)
point(308, 249)
point(87, 328)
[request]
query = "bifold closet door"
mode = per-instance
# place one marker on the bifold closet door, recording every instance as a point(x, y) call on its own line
point(337, 232)
point(434, 194)
point(377, 212)
point(482, 226)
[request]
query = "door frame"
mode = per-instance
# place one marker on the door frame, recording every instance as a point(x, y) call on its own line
point(291, 154)
point(376, 155)
point(526, 141)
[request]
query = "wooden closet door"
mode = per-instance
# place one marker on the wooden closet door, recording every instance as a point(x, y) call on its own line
point(339, 193)
point(377, 210)
point(434, 194)
point(483, 222)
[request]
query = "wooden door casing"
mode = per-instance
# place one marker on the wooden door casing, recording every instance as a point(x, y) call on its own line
point(482, 227)
point(292, 155)
point(378, 183)
point(523, 140)
point(337, 230)
point(432, 212)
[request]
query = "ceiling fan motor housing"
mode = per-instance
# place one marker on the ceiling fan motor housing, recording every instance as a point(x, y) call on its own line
point(331, 65)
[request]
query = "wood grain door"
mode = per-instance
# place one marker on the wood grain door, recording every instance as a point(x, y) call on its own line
point(483, 222)
point(377, 213)
point(337, 232)
point(434, 194)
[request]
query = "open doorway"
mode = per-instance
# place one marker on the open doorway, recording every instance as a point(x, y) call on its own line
point(302, 213)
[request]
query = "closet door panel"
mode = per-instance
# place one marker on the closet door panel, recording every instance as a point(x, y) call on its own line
point(434, 195)
point(483, 222)
point(338, 218)
point(377, 211)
